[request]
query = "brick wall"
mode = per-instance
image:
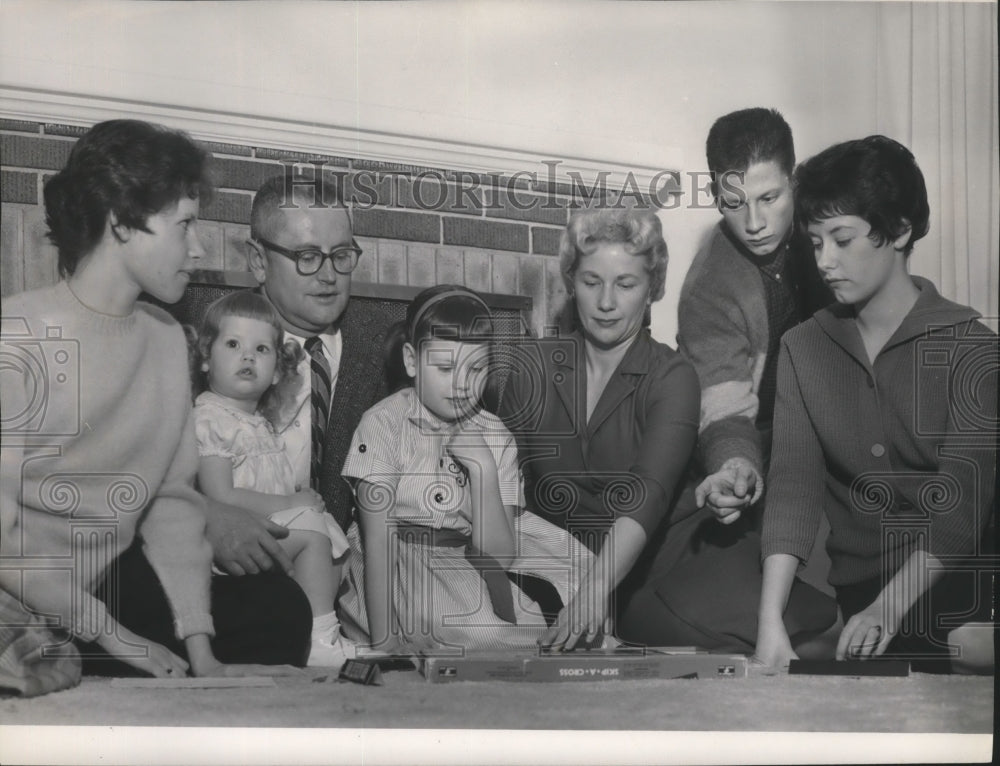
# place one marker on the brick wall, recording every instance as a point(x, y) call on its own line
point(418, 226)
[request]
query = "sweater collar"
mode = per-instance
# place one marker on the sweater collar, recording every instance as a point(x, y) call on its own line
point(103, 324)
point(930, 312)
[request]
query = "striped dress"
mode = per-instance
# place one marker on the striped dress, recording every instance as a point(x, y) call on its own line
point(439, 599)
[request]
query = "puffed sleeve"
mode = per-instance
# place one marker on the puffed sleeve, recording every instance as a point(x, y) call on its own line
point(374, 452)
point(214, 430)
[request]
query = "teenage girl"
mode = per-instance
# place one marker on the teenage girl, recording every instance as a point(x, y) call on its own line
point(886, 421)
point(99, 454)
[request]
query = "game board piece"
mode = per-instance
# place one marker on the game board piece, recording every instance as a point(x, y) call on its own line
point(588, 665)
point(364, 672)
point(896, 668)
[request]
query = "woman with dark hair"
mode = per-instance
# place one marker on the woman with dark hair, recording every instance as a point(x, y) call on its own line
point(886, 421)
point(102, 450)
point(606, 422)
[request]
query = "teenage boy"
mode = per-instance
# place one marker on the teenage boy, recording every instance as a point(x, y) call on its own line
point(753, 280)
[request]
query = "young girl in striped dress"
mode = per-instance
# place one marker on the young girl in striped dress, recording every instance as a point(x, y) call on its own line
point(440, 507)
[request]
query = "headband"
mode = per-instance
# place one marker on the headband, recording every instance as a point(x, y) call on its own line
point(444, 295)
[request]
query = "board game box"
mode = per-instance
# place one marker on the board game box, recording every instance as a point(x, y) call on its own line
point(624, 664)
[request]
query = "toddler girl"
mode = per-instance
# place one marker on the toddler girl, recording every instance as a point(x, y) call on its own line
point(247, 367)
point(440, 503)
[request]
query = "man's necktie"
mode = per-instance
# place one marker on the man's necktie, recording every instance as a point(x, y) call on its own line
point(320, 400)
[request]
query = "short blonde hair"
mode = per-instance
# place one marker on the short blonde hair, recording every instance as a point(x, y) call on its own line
point(639, 231)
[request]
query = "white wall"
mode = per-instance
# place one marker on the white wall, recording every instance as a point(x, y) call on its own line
point(627, 82)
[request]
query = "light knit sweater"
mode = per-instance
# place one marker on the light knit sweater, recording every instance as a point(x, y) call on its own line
point(98, 447)
point(724, 330)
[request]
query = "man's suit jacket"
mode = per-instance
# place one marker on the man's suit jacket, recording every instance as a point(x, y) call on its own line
point(360, 384)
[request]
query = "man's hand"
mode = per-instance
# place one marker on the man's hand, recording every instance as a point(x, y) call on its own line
point(244, 544)
point(735, 486)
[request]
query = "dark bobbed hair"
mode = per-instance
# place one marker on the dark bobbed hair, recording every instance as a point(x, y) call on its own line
point(743, 138)
point(873, 178)
point(128, 168)
point(249, 305)
point(449, 312)
point(286, 190)
point(639, 231)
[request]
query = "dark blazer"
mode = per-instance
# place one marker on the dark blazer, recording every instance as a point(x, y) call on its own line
point(697, 582)
point(630, 459)
point(360, 384)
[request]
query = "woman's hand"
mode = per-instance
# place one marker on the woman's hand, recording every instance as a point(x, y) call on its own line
point(774, 648)
point(205, 665)
point(223, 670)
point(868, 633)
point(147, 656)
point(581, 623)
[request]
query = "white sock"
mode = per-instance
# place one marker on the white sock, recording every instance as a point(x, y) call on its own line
point(325, 626)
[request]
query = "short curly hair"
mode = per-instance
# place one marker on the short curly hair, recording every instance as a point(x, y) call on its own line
point(639, 231)
point(874, 178)
point(130, 168)
point(248, 305)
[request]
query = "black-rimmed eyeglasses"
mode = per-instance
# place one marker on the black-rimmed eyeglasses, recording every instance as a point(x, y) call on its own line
point(309, 260)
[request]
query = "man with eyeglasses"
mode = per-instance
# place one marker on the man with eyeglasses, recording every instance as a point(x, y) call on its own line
point(302, 252)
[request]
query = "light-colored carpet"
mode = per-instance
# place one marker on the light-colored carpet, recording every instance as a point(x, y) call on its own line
point(920, 703)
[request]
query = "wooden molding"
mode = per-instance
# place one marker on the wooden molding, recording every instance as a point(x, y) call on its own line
point(68, 108)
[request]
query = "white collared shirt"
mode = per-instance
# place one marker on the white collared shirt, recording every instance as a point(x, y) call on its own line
point(297, 432)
